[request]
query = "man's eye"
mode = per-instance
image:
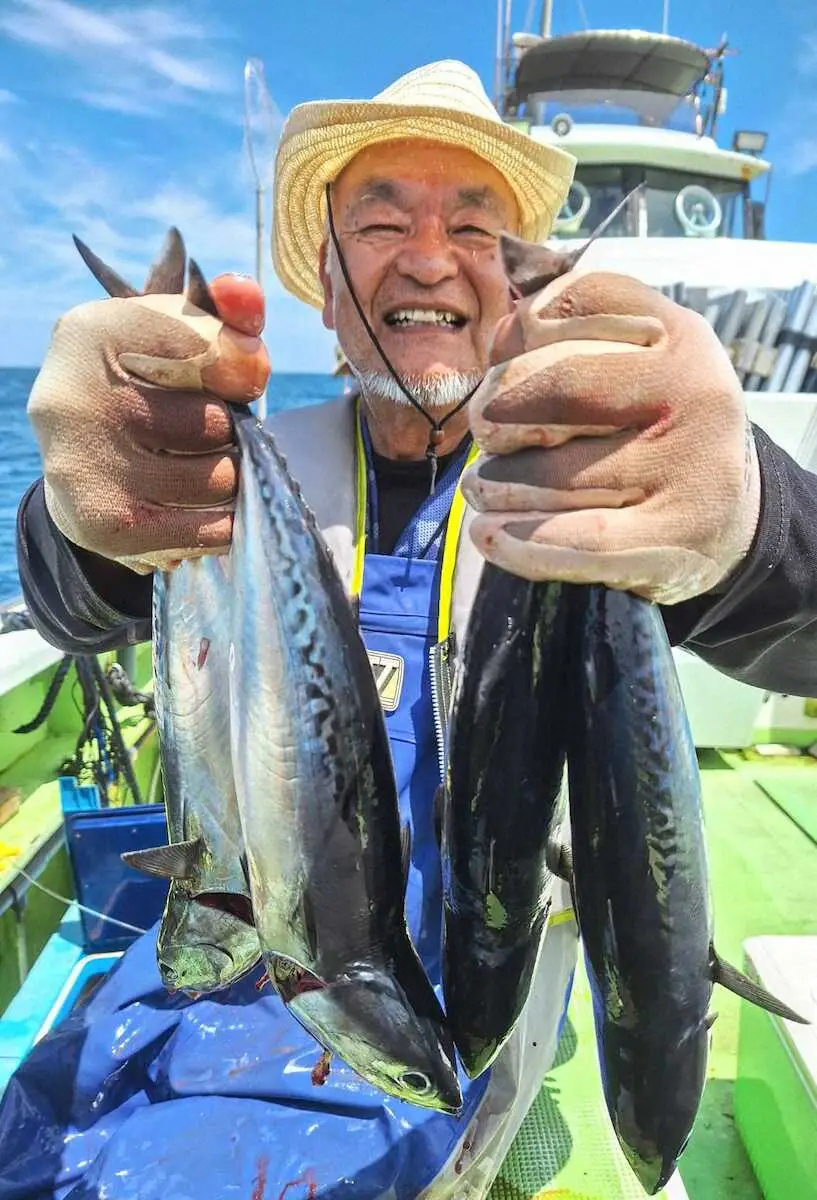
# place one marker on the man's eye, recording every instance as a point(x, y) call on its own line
point(470, 230)
point(381, 229)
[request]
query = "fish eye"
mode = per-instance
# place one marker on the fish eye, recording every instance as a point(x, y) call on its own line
point(415, 1081)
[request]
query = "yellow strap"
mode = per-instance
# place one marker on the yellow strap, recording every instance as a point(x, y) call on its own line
point(562, 918)
point(450, 547)
point(361, 503)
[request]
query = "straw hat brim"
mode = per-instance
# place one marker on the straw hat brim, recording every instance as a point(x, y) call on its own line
point(321, 137)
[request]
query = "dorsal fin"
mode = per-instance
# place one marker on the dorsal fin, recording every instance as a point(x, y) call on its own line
point(175, 861)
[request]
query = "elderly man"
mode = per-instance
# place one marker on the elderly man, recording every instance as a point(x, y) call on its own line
point(617, 450)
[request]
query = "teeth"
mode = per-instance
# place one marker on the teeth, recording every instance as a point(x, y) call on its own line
point(424, 316)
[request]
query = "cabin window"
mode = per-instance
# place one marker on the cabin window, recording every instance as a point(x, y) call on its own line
point(673, 204)
point(680, 204)
point(595, 193)
point(614, 106)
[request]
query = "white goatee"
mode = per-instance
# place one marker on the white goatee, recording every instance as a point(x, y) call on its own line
point(431, 391)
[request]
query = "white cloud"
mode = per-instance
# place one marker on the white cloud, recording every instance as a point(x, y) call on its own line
point(802, 156)
point(7, 97)
point(132, 104)
point(138, 60)
point(58, 189)
point(119, 191)
point(806, 62)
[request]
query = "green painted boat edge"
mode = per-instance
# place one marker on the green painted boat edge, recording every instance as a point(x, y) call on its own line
point(29, 766)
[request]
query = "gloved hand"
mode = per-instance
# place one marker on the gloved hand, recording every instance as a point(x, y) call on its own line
point(619, 447)
point(128, 410)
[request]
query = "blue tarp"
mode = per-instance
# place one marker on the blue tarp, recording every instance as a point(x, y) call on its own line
point(88, 1114)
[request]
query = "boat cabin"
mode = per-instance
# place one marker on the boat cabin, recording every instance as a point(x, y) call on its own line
point(638, 108)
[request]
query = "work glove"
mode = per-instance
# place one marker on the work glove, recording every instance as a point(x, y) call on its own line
point(617, 445)
point(128, 409)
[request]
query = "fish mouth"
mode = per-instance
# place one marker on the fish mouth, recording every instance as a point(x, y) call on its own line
point(476, 1053)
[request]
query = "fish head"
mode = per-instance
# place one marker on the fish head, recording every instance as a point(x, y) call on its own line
point(369, 1022)
point(653, 1128)
point(201, 948)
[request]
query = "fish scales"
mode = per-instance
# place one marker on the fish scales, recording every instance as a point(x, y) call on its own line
point(316, 794)
point(200, 947)
point(206, 939)
point(506, 764)
point(318, 798)
point(322, 732)
point(640, 876)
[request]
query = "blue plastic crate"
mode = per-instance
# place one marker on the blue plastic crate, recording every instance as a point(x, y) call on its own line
point(96, 838)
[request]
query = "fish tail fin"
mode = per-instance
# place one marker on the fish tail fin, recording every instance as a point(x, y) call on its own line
point(735, 981)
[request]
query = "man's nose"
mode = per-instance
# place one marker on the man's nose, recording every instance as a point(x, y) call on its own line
point(428, 257)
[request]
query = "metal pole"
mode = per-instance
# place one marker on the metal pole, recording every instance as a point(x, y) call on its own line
point(665, 26)
point(547, 18)
point(506, 47)
point(498, 59)
point(261, 405)
point(260, 115)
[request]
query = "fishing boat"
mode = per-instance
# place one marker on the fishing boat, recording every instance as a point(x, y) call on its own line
point(634, 108)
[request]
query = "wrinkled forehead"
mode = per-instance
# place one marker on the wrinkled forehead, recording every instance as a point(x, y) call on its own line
point(406, 171)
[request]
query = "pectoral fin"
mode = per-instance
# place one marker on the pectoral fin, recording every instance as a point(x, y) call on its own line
point(405, 853)
point(735, 981)
point(175, 861)
point(437, 808)
point(559, 858)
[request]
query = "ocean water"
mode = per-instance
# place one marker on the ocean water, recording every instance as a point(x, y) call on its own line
point(20, 459)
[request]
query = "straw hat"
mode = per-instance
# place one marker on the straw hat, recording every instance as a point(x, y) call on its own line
point(444, 102)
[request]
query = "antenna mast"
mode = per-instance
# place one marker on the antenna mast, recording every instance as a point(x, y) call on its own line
point(262, 129)
point(665, 25)
point(547, 18)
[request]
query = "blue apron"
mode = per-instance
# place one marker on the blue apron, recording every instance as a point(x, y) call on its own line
point(398, 621)
point(146, 1095)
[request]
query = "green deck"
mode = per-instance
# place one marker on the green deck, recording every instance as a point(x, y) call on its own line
point(763, 867)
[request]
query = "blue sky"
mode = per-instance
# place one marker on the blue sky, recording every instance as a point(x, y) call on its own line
point(117, 120)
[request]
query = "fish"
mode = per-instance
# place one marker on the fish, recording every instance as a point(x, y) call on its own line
point(327, 858)
point(637, 865)
point(639, 871)
point(502, 808)
point(206, 939)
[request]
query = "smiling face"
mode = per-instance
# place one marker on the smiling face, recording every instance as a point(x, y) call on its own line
point(418, 224)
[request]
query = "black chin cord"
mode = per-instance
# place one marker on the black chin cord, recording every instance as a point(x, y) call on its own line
point(435, 433)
